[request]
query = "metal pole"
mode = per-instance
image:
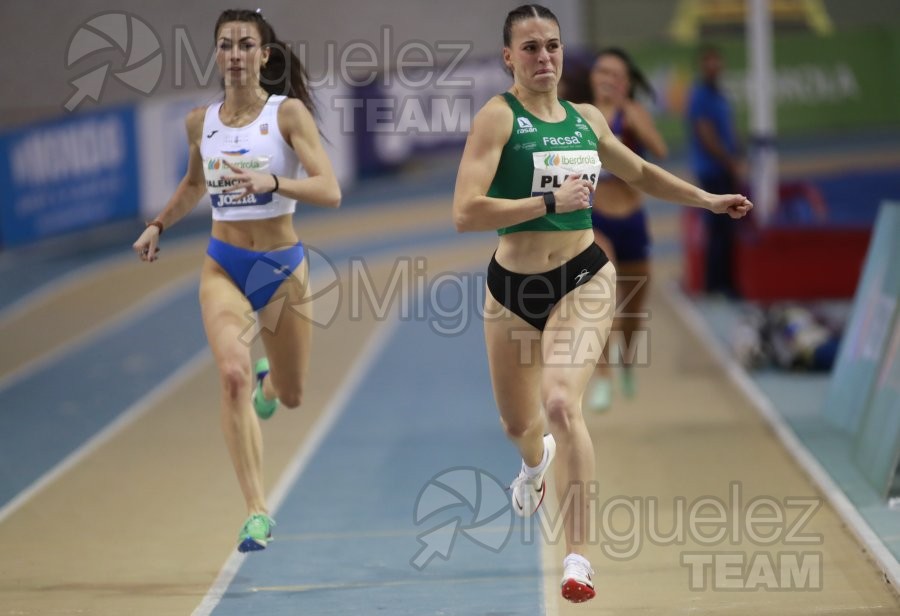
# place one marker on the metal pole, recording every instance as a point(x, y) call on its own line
point(763, 155)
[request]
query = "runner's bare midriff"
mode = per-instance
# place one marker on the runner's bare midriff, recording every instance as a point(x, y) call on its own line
point(260, 235)
point(533, 252)
point(615, 198)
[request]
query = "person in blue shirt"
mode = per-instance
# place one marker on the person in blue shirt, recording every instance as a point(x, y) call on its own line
point(714, 160)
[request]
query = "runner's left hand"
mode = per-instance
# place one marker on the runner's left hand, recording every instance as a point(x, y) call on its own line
point(736, 206)
point(249, 182)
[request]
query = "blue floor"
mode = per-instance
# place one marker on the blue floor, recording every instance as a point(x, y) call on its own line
point(359, 549)
point(96, 381)
point(51, 411)
point(346, 538)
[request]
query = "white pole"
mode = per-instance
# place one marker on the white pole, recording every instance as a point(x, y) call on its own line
point(763, 155)
point(570, 14)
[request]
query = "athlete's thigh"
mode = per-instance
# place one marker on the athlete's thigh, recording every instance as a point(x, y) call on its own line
point(286, 328)
point(577, 331)
point(227, 315)
point(633, 279)
point(514, 357)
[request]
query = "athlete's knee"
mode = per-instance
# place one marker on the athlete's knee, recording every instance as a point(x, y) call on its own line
point(236, 379)
point(518, 428)
point(561, 405)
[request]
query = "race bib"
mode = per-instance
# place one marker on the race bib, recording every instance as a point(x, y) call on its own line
point(222, 191)
point(552, 168)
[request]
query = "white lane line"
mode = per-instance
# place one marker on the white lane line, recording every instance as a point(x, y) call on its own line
point(550, 579)
point(75, 278)
point(128, 417)
point(336, 406)
point(882, 556)
point(136, 312)
point(395, 583)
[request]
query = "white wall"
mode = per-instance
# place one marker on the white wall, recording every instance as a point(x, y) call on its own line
point(38, 34)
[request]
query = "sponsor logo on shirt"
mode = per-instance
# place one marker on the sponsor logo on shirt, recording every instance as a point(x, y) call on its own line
point(552, 168)
point(571, 140)
point(525, 126)
point(564, 159)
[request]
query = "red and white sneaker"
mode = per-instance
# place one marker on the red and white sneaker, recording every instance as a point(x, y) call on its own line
point(528, 490)
point(577, 586)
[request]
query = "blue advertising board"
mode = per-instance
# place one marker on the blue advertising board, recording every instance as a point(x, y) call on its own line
point(68, 174)
point(403, 114)
point(864, 344)
point(876, 448)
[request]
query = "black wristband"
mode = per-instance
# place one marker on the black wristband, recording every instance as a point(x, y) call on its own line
point(550, 202)
point(275, 177)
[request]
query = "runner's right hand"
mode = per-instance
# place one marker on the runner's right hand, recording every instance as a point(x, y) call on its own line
point(147, 245)
point(574, 194)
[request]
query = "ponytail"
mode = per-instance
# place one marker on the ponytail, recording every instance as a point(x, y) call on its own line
point(284, 74)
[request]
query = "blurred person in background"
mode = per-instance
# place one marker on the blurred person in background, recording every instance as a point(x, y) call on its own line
point(714, 160)
point(618, 216)
point(528, 172)
point(257, 152)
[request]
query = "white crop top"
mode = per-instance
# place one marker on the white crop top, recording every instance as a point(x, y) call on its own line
point(258, 146)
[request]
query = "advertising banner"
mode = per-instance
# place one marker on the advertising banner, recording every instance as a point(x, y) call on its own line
point(68, 174)
point(822, 83)
point(400, 116)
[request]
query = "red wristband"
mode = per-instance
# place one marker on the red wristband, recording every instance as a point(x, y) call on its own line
point(157, 224)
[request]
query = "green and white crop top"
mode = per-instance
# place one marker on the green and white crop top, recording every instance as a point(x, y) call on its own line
point(537, 159)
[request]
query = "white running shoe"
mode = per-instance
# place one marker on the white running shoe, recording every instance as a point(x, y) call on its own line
point(577, 586)
point(528, 491)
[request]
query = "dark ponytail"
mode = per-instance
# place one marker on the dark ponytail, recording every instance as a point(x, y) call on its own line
point(526, 11)
point(636, 78)
point(283, 73)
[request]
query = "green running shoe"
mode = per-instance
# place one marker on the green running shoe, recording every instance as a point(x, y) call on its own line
point(601, 394)
point(264, 408)
point(256, 533)
point(629, 387)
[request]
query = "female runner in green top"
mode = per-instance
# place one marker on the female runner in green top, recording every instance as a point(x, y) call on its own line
point(528, 171)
